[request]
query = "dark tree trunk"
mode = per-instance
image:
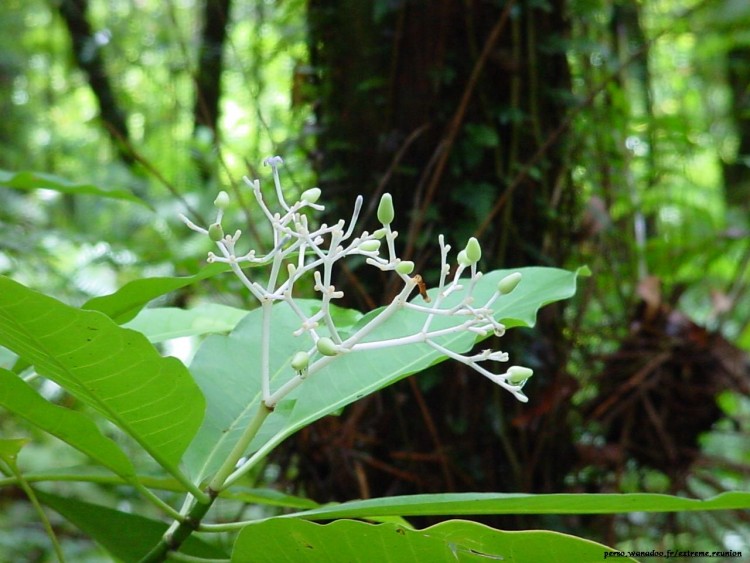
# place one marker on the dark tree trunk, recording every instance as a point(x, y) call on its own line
point(210, 64)
point(208, 76)
point(87, 50)
point(737, 173)
point(455, 108)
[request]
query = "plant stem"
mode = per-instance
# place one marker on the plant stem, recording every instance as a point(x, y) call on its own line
point(177, 556)
point(172, 540)
point(217, 483)
point(37, 507)
point(156, 501)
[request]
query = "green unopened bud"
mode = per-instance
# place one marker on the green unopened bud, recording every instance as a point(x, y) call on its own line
point(462, 259)
point(310, 196)
point(370, 245)
point(518, 374)
point(327, 347)
point(406, 267)
point(215, 232)
point(385, 209)
point(300, 361)
point(222, 200)
point(473, 250)
point(380, 233)
point(509, 283)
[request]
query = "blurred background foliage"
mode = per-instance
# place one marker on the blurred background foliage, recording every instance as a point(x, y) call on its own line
point(613, 133)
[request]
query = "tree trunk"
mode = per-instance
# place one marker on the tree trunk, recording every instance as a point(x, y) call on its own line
point(208, 76)
point(87, 50)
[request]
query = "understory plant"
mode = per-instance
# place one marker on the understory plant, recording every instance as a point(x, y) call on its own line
point(257, 378)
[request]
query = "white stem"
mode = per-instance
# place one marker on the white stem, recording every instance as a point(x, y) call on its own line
point(495, 378)
point(277, 183)
point(383, 316)
point(265, 348)
point(355, 216)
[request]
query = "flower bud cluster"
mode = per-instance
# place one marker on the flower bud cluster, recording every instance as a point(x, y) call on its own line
point(300, 249)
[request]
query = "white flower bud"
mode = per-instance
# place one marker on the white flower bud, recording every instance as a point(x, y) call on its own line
point(310, 196)
point(509, 283)
point(273, 161)
point(385, 209)
point(300, 361)
point(518, 375)
point(406, 267)
point(473, 250)
point(370, 246)
point(222, 200)
point(326, 346)
point(215, 232)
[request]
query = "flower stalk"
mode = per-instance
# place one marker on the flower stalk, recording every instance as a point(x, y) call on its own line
point(300, 249)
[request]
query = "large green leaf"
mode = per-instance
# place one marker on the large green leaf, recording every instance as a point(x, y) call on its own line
point(124, 304)
point(126, 536)
point(36, 180)
point(115, 370)
point(162, 323)
point(456, 540)
point(456, 504)
point(73, 427)
point(227, 368)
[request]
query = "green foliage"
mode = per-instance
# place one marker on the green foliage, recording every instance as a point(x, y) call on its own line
point(456, 540)
point(36, 180)
point(518, 503)
point(165, 323)
point(123, 305)
point(71, 426)
point(116, 371)
point(57, 339)
point(155, 402)
point(106, 527)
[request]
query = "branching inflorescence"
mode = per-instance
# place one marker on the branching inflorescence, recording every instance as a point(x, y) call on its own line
point(299, 250)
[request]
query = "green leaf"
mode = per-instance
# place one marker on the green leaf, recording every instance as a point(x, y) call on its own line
point(9, 448)
point(116, 371)
point(482, 135)
point(456, 540)
point(123, 305)
point(458, 504)
point(96, 474)
point(342, 318)
point(269, 497)
point(163, 323)
point(99, 475)
point(126, 536)
point(36, 180)
point(227, 368)
point(72, 427)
